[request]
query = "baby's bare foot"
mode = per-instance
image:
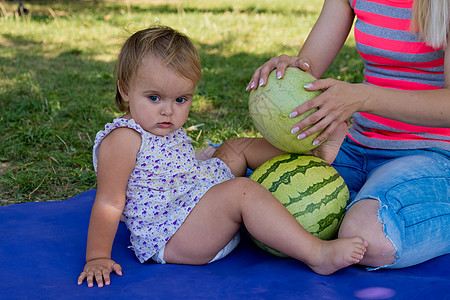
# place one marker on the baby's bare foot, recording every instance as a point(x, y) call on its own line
point(337, 254)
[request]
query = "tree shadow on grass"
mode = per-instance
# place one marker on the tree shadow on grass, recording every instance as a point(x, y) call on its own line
point(51, 105)
point(94, 6)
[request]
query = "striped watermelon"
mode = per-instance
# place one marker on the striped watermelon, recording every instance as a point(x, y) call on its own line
point(310, 188)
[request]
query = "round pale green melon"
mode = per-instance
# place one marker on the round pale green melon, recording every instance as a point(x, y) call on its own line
point(270, 106)
point(311, 190)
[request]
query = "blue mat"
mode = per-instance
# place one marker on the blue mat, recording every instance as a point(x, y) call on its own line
point(43, 246)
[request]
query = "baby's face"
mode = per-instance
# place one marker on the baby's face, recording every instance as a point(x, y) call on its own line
point(159, 98)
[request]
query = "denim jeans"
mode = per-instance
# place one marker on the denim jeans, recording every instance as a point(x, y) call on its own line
point(413, 189)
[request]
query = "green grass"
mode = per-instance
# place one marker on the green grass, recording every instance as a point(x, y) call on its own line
point(57, 87)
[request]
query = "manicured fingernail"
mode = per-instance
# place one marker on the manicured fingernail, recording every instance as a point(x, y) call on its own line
point(293, 114)
point(301, 136)
point(252, 85)
point(316, 142)
point(307, 65)
point(247, 88)
point(295, 129)
point(278, 75)
point(261, 82)
point(307, 86)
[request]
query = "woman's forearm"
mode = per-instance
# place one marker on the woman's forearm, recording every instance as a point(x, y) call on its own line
point(429, 108)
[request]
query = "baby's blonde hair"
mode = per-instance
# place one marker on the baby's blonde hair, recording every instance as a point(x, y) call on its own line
point(431, 20)
point(174, 49)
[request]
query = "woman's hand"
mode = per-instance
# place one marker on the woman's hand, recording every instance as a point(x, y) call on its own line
point(336, 105)
point(280, 63)
point(99, 268)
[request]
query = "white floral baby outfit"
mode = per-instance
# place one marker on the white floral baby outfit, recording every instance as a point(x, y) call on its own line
point(165, 185)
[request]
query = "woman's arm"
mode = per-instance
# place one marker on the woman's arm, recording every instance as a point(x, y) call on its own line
point(320, 48)
point(340, 100)
point(424, 108)
point(327, 36)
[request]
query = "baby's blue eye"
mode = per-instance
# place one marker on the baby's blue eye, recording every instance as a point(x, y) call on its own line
point(153, 98)
point(181, 100)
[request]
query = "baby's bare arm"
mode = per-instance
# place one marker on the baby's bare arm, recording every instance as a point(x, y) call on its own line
point(116, 160)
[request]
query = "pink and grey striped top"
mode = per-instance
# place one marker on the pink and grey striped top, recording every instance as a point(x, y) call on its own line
point(395, 58)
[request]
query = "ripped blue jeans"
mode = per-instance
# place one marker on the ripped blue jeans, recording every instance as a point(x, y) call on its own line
point(413, 189)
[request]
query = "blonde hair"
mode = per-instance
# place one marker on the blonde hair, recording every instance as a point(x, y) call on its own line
point(174, 49)
point(431, 20)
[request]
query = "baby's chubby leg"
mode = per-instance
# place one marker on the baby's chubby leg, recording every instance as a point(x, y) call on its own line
point(220, 212)
point(211, 225)
point(242, 153)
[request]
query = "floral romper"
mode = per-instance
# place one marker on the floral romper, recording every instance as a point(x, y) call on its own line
point(165, 185)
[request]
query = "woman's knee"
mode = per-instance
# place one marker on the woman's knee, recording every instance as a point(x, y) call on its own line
point(362, 220)
point(358, 216)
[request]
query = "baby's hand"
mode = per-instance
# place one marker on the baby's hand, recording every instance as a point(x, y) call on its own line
point(205, 153)
point(100, 269)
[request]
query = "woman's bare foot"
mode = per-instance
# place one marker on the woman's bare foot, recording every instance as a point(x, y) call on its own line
point(330, 148)
point(337, 254)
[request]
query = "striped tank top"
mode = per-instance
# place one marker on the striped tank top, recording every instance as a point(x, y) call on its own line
point(395, 58)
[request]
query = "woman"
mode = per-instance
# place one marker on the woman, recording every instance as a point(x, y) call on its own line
point(396, 156)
